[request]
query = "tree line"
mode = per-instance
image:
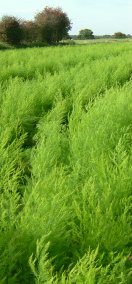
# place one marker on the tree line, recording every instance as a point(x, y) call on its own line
point(88, 34)
point(50, 26)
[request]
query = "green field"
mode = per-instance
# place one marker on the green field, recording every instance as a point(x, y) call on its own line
point(66, 164)
point(95, 41)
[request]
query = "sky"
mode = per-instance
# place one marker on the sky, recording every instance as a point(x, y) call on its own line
point(101, 16)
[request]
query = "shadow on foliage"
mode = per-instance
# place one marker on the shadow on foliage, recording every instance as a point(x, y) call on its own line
point(5, 46)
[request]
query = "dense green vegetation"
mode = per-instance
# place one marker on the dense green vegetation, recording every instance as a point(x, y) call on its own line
point(49, 26)
point(65, 165)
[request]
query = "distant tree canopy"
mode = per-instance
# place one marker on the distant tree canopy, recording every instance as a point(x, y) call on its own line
point(29, 31)
point(85, 34)
point(129, 36)
point(10, 30)
point(102, 36)
point(50, 25)
point(73, 37)
point(119, 35)
point(53, 24)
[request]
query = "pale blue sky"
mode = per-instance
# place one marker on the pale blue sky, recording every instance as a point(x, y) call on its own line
point(102, 16)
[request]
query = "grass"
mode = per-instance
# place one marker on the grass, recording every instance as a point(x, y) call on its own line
point(66, 164)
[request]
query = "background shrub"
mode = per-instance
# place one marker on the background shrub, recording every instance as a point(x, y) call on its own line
point(10, 30)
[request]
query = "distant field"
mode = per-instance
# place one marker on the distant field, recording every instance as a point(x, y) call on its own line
point(96, 41)
point(66, 164)
point(103, 40)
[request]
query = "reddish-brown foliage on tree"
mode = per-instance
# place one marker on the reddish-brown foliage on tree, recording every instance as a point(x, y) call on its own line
point(29, 31)
point(53, 24)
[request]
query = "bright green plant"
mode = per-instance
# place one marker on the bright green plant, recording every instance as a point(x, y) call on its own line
point(65, 166)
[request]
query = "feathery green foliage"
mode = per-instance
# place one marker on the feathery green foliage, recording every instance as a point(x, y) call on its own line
point(66, 165)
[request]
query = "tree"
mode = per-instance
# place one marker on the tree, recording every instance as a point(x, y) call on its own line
point(29, 31)
point(85, 34)
point(119, 35)
point(53, 24)
point(10, 30)
point(129, 36)
point(74, 37)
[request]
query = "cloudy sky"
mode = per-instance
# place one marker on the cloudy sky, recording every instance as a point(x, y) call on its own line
point(101, 16)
